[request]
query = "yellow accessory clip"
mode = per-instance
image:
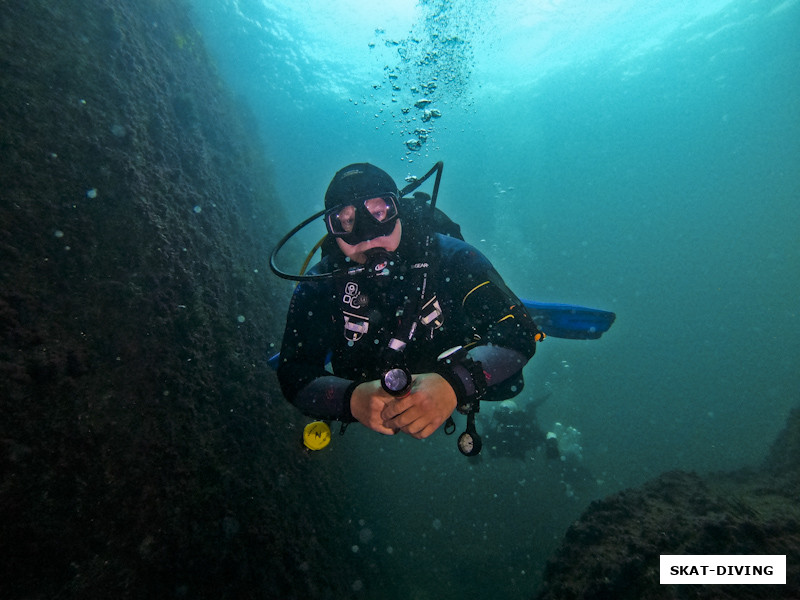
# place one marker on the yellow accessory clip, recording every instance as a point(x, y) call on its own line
point(316, 435)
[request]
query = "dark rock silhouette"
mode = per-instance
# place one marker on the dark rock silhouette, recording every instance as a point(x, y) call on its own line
point(146, 451)
point(613, 550)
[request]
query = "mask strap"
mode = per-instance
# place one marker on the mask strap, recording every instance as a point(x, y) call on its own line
point(437, 168)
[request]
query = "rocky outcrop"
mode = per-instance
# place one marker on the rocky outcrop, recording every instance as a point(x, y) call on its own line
point(145, 448)
point(613, 550)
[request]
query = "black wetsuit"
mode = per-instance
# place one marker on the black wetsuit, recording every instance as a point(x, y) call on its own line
point(349, 320)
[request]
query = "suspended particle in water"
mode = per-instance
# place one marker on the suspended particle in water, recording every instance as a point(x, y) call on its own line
point(365, 535)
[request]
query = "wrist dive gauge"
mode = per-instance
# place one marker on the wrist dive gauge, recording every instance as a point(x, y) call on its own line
point(469, 442)
point(397, 381)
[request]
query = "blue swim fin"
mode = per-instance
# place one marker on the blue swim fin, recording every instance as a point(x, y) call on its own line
point(569, 321)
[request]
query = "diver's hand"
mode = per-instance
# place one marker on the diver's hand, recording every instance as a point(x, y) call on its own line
point(366, 404)
point(421, 412)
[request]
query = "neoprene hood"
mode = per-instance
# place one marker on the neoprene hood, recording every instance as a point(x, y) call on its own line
point(358, 180)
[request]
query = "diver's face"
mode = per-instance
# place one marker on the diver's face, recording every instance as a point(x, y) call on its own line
point(388, 242)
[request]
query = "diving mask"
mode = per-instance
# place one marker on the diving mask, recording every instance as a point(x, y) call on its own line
point(363, 219)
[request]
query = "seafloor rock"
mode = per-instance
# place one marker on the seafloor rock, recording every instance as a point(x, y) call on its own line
point(145, 450)
point(613, 550)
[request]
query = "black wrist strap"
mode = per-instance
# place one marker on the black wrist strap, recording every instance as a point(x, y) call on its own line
point(446, 371)
point(471, 403)
point(467, 379)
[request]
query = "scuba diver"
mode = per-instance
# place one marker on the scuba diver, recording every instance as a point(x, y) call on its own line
point(513, 431)
point(415, 324)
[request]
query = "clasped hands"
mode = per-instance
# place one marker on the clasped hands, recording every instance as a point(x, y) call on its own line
point(419, 413)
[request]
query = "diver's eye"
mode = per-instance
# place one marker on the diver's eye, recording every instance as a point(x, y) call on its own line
point(347, 218)
point(378, 208)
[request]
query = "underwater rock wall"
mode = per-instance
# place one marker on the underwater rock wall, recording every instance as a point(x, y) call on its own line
point(146, 451)
point(613, 550)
